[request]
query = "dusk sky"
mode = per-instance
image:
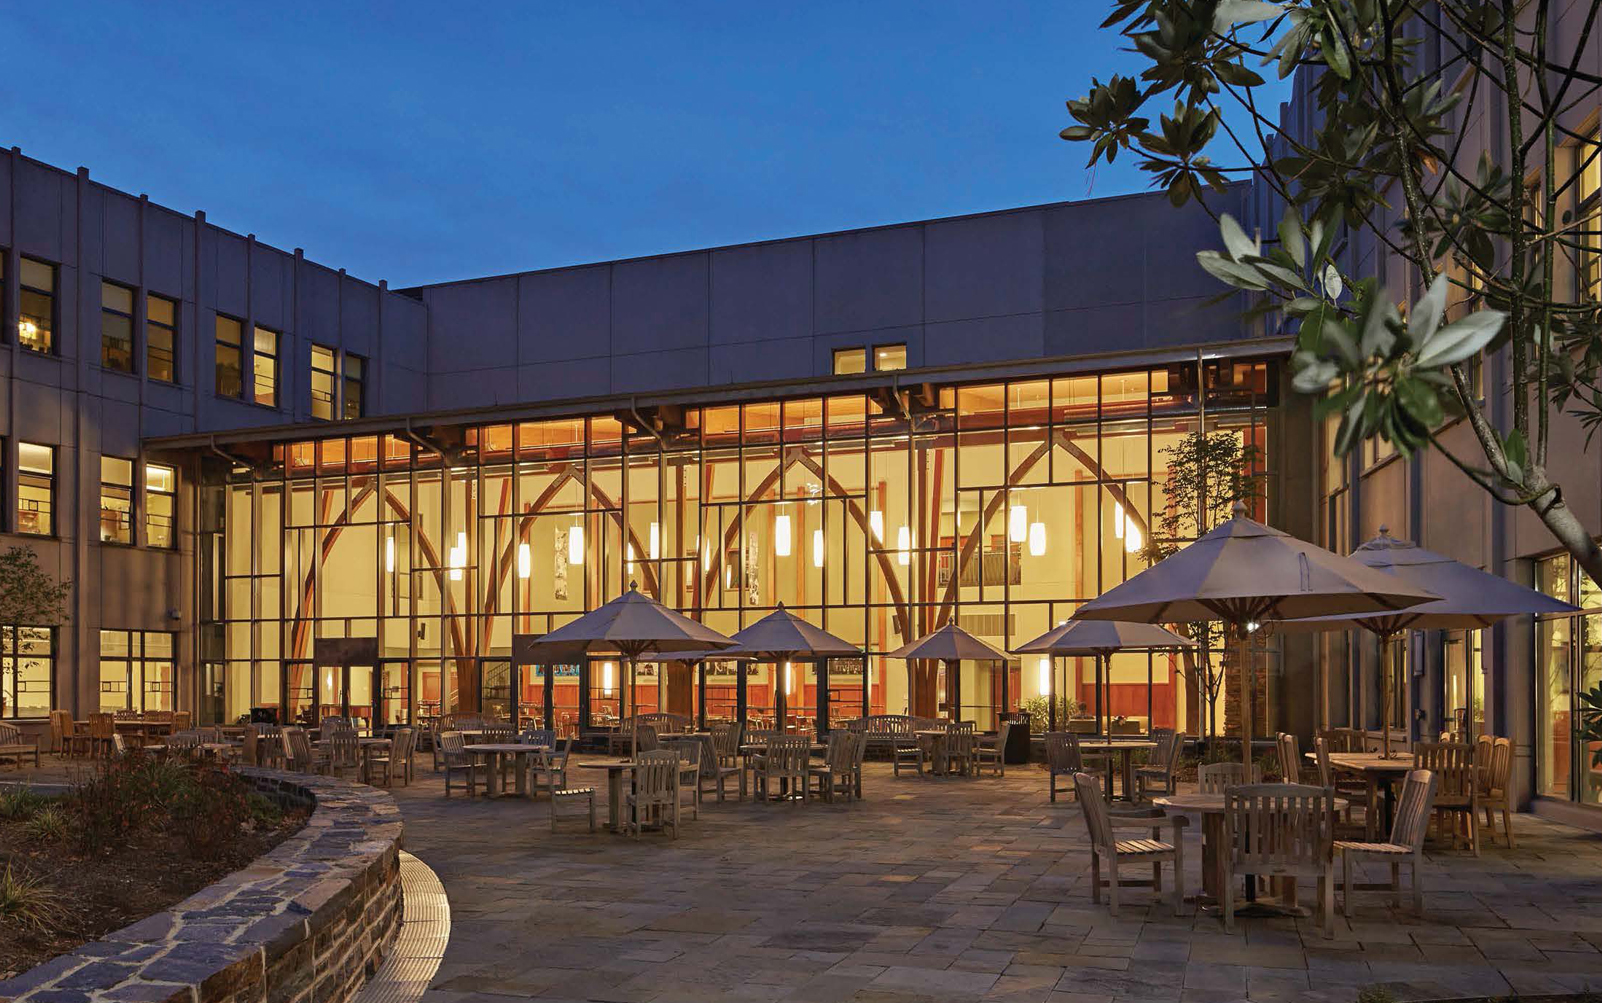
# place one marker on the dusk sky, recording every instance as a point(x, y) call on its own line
point(421, 143)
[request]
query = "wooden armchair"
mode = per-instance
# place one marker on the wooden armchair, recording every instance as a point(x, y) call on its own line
point(1348, 789)
point(1063, 759)
point(655, 793)
point(550, 770)
point(838, 772)
point(454, 760)
point(783, 768)
point(993, 753)
point(1456, 792)
point(1280, 831)
point(1216, 778)
point(14, 745)
point(1163, 765)
point(1492, 792)
point(1290, 757)
point(1406, 843)
point(393, 763)
point(1106, 847)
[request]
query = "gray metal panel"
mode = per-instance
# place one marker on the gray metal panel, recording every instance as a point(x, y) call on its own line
point(564, 315)
point(868, 280)
point(984, 267)
point(762, 292)
point(660, 304)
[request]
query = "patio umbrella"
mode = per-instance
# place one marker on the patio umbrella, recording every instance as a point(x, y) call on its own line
point(1245, 574)
point(1469, 599)
point(951, 645)
point(631, 625)
point(782, 636)
point(1098, 638)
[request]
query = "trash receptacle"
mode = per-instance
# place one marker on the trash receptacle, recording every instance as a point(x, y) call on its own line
point(1017, 750)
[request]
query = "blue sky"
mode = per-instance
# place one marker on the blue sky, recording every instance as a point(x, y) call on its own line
point(421, 143)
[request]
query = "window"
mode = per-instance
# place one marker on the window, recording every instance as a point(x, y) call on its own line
point(27, 671)
point(161, 505)
point(850, 361)
point(1588, 213)
point(136, 670)
point(266, 367)
point(116, 500)
point(355, 372)
point(36, 489)
point(37, 321)
point(322, 383)
point(161, 339)
point(116, 327)
point(230, 373)
point(889, 357)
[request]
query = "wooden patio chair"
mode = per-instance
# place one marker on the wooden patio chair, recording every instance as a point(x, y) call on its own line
point(1343, 739)
point(1290, 757)
point(14, 745)
point(837, 770)
point(390, 764)
point(455, 760)
point(1283, 831)
point(1406, 844)
point(1216, 778)
point(993, 753)
point(1163, 766)
point(101, 727)
point(724, 765)
point(1352, 790)
point(1063, 759)
point(180, 719)
point(298, 752)
point(689, 751)
point(1105, 846)
point(960, 742)
point(341, 748)
point(549, 772)
point(654, 797)
point(1492, 791)
point(1456, 793)
point(726, 739)
point(899, 738)
point(783, 768)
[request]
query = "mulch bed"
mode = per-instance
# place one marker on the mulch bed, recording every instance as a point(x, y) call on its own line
point(95, 895)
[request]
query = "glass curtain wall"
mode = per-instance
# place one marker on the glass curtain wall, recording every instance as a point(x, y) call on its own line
point(1568, 657)
point(878, 517)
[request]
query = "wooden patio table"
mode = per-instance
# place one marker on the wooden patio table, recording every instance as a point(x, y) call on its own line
point(1375, 770)
point(495, 752)
point(615, 768)
point(1124, 750)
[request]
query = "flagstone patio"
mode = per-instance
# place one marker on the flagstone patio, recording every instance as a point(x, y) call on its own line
point(954, 890)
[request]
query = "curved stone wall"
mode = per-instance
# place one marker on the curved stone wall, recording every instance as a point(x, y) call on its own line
point(309, 921)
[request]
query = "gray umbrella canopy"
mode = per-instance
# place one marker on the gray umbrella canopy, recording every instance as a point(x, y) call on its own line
point(1102, 637)
point(633, 624)
point(949, 644)
point(1245, 571)
point(782, 635)
point(1469, 598)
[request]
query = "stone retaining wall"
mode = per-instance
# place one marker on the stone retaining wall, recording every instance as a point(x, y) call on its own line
point(306, 923)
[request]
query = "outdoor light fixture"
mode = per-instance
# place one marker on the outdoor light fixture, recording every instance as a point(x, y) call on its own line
point(903, 546)
point(1045, 674)
point(656, 542)
point(817, 548)
point(606, 679)
point(575, 545)
point(1017, 523)
point(876, 523)
point(524, 560)
point(781, 536)
point(1037, 539)
point(389, 554)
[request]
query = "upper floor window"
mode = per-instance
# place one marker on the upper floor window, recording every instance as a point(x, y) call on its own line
point(355, 373)
point(161, 505)
point(889, 357)
point(36, 323)
point(116, 327)
point(230, 357)
point(850, 361)
point(161, 338)
point(36, 489)
point(116, 500)
point(322, 383)
point(1588, 212)
point(265, 367)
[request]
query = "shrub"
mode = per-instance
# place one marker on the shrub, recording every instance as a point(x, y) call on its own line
point(26, 901)
point(210, 812)
point(113, 803)
point(48, 825)
point(19, 802)
point(1039, 716)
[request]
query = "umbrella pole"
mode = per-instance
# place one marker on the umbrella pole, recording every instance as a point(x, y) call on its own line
point(1244, 669)
point(1385, 695)
point(634, 719)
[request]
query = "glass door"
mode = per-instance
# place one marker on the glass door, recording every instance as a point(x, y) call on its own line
point(394, 693)
point(299, 695)
point(361, 690)
point(330, 683)
point(495, 694)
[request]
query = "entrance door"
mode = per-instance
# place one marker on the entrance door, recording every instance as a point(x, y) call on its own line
point(299, 696)
point(394, 693)
point(495, 693)
point(330, 692)
point(361, 695)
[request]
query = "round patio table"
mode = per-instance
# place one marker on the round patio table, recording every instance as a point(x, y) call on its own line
point(615, 768)
point(496, 753)
point(1107, 747)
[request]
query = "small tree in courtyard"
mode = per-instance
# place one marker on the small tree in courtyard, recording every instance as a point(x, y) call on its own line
point(1496, 242)
point(28, 596)
point(1208, 472)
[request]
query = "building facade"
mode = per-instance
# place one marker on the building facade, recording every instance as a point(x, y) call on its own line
point(246, 461)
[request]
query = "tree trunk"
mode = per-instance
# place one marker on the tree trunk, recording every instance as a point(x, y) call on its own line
point(1566, 527)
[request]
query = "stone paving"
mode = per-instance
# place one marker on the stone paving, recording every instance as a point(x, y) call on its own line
point(959, 890)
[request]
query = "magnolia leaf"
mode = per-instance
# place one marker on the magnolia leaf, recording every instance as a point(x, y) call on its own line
point(1333, 285)
point(1515, 449)
point(1230, 272)
point(1290, 237)
point(1235, 240)
point(1377, 338)
point(1233, 12)
point(1418, 399)
point(1427, 312)
point(1335, 332)
point(1460, 339)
